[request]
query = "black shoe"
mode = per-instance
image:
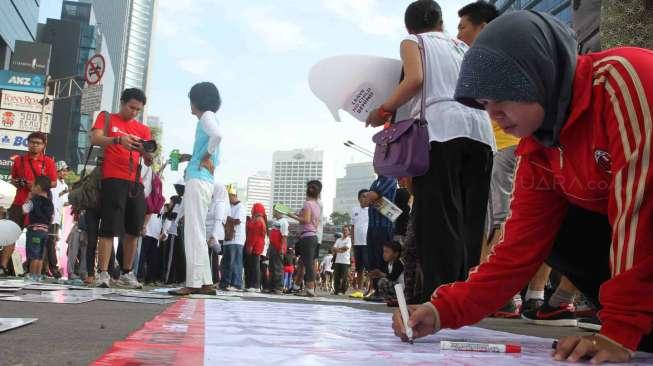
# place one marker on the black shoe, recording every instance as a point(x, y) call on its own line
point(562, 316)
point(592, 323)
point(374, 298)
point(531, 304)
point(4, 272)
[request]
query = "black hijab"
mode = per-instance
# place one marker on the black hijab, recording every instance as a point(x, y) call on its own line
point(523, 56)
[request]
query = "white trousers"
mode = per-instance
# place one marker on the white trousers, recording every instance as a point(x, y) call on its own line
point(197, 198)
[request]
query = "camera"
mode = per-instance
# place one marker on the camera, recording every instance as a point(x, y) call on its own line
point(21, 182)
point(149, 146)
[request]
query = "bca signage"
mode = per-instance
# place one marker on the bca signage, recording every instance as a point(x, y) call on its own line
point(13, 140)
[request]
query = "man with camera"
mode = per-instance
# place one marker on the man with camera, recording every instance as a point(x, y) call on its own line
point(122, 201)
point(23, 173)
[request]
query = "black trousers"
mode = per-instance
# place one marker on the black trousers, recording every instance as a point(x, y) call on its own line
point(276, 269)
point(252, 271)
point(215, 264)
point(449, 211)
point(581, 252)
point(340, 277)
point(92, 219)
point(149, 268)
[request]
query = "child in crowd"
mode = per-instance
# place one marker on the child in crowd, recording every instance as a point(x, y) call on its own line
point(392, 272)
point(39, 209)
point(289, 261)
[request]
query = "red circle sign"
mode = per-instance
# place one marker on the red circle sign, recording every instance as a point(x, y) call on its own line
point(94, 69)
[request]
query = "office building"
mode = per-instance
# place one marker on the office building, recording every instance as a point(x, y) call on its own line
point(128, 25)
point(358, 176)
point(560, 8)
point(19, 23)
point(259, 190)
point(291, 170)
point(74, 38)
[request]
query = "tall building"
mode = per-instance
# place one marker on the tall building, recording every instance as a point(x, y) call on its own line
point(560, 8)
point(357, 176)
point(129, 25)
point(74, 38)
point(290, 172)
point(19, 23)
point(259, 190)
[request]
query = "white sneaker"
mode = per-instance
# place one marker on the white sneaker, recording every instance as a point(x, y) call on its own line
point(103, 280)
point(252, 289)
point(245, 289)
point(129, 280)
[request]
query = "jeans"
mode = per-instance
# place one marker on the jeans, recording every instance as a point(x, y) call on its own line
point(232, 266)
point(287, 279)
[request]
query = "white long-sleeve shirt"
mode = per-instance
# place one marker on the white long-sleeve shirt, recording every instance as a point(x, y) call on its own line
point(209, 123)
point(219, 209)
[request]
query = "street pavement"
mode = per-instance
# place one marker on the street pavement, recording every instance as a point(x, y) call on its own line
point(77, 334)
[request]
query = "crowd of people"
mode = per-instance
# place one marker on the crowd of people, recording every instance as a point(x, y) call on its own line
point(534, 204)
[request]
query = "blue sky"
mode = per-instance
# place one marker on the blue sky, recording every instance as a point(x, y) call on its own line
point(259, 54)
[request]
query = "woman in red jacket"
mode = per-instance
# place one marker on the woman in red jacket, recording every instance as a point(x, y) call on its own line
point(254, 245)
point(583, 194)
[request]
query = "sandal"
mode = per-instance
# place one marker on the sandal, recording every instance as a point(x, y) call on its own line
point(184, 291)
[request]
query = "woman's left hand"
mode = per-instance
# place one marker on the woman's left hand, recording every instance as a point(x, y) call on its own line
point(374, 119)
point(598, 349)
point(207, 164)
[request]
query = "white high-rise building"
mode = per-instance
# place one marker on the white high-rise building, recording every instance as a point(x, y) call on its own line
point(128, 26)
point(358, 176)
point(259, 190)
point(291, 170)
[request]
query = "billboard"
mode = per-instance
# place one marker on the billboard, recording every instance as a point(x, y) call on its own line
point(13, 140)
point(22, 81)
point(31, 57)
point(24, 121)
point(20, 101)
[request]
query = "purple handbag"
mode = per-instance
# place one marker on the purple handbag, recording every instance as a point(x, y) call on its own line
point(402, 149)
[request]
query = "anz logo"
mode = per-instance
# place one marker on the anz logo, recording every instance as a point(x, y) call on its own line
point(35, 81)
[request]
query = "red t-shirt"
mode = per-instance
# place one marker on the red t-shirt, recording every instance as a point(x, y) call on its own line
point(43, 165)
point(116, 157)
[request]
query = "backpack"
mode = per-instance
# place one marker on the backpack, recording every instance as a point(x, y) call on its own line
point(155, 200)
point(85, 194)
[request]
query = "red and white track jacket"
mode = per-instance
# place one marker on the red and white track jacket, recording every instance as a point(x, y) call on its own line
point(603, 164)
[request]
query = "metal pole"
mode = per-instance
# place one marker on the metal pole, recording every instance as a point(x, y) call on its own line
point(44, 102)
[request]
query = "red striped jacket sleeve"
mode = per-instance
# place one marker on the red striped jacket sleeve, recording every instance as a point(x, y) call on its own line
point(626, 80)
point(514, 261)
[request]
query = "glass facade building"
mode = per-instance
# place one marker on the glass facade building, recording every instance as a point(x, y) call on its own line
point(128, 26)
point(74, 38)
point(18, 22)
point(560, 8)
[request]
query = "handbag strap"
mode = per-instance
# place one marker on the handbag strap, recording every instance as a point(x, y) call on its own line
point(420, 45)
point(107, 120)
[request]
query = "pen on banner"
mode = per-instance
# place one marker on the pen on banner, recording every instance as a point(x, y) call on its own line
point(480, 347)
point(403, 309)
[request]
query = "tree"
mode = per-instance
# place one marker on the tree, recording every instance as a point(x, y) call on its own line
point(340, 219)
point(626, 23)
point(157, 135)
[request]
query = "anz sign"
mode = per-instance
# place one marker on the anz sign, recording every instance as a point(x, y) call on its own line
point(21, 81)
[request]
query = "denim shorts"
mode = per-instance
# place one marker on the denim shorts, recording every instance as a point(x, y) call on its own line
point(35, 243)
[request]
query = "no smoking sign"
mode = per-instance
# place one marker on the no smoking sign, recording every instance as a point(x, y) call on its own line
point(94, 69)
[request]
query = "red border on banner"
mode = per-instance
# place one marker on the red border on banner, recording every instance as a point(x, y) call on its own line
point(174, 337)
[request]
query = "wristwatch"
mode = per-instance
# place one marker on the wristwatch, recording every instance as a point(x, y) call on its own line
point(116, 140)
